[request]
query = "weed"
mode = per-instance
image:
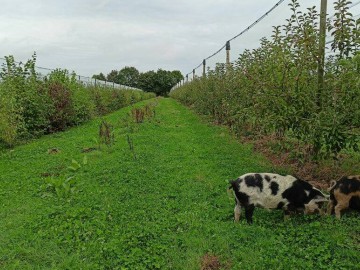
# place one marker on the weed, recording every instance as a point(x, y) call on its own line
point(142, 113)
point(106, 133)
point(61, 185)
point(131, 146)
point(138, 115)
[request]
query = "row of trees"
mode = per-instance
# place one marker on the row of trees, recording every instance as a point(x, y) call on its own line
point(274, 89)
point(159, 82)
point(31, 105)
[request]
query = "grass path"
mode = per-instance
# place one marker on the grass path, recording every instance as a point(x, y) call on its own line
point(165, 209)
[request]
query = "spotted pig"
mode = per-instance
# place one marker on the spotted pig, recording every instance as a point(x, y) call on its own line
point(274, 191)
point(344, 194)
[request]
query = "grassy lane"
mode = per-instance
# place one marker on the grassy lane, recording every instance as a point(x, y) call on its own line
point(162, 205)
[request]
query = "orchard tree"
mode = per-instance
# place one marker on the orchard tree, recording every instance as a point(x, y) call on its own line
point(129, 76)
point(113, 76)
point(147, 81)
point(101, 76)
point(159, 82)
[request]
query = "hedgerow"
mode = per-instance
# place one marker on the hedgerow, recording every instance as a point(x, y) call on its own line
point(274, 89)
point(32, 105)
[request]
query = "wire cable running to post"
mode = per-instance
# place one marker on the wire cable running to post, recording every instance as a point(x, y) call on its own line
point(242, 32)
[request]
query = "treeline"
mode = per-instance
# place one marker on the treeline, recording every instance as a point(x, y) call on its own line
point(31, 105)
point(159, 82)
point(273, 90)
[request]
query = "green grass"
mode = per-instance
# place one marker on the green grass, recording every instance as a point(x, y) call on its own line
point(165, 209)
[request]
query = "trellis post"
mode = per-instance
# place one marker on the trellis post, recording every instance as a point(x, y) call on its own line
point(204, 68)
point(227, 53)
point(321, 60)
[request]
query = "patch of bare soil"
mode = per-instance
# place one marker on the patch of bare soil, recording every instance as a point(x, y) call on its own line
point(210, 262)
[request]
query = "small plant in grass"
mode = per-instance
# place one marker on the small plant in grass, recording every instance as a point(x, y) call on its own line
point(149, 111)
point(64, 186)
point(131, 146)
point(106, 133)
point(140, 114)
point(128, 125)
point(75, 166)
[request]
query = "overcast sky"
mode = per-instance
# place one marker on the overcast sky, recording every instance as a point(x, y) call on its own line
point(90, 37)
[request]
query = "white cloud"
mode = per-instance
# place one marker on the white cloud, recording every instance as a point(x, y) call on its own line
point(98, 36)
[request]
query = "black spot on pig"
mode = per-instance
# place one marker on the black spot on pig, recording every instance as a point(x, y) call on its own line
point(348, 185)
point(254, 181)
point(296, 194)
point(274, 188)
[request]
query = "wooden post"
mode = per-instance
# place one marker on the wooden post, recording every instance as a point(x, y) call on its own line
point(321, 60)
point(204, 68)
point(187, 78)
point(227, 53)
point(193, 74)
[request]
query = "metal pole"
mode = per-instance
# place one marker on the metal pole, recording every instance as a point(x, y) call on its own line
point(227, 53)
point(204, 68)
point(321, 61)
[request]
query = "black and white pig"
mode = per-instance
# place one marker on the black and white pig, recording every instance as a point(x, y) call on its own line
point(274, 191)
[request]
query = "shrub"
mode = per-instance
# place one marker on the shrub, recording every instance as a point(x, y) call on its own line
point(24, 103)
point(31, 106)
point(274, 89)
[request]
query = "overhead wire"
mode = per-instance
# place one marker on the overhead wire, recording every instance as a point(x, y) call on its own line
point(355, 4)
point(256, 22)
point(241, 33)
